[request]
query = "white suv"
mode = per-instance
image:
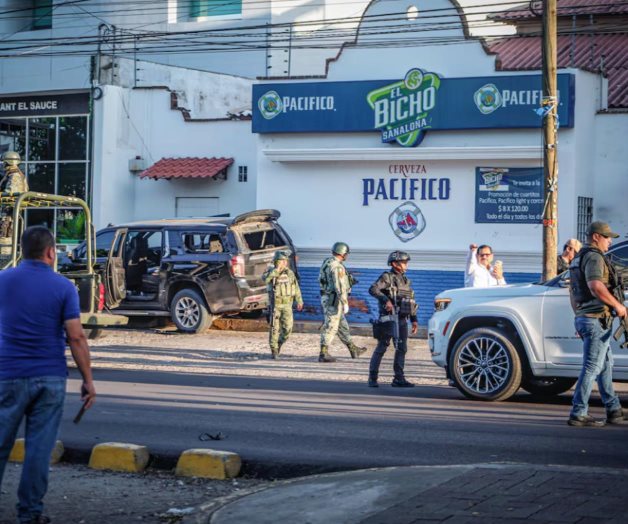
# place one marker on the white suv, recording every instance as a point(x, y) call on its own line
point(492, 341)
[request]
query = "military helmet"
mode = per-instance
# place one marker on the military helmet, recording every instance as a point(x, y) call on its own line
point(398, 256)
point(280, 255)
point(11, 158)
point(340, 248)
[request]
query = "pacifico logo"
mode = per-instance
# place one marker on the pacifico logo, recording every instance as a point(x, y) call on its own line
point(401, 110)
point(271, 104)
point(487, 99)
point(490, 98)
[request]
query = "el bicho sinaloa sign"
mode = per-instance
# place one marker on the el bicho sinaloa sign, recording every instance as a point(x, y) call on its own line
point(405, 108)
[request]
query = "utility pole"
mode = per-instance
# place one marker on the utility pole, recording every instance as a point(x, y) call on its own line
point(550, 153)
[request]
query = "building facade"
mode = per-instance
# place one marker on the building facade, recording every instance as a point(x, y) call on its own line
point(347, 152)
point(95, 96)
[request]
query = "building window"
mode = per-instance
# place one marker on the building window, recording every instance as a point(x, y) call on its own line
point(42, 14)
point(200, 9)
point(585, 216)
point(55, 159)
point(243, 173)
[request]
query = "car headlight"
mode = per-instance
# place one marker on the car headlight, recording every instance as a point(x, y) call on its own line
point(441, 304)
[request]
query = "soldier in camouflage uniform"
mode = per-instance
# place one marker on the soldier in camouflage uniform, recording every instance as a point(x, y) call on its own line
point(283, 290)
point(335, 285)
point(13, 180)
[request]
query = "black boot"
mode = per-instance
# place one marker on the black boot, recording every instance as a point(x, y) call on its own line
point(401, 383)
point(324, 355)
point(372, 383)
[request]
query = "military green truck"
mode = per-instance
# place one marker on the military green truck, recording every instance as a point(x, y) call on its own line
point(93, 297)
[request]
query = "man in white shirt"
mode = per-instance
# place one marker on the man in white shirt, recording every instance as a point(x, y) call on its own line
point(480, 272)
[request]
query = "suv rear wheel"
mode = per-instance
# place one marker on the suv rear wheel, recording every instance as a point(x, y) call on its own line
point(484, 365)
point(548, 386)
point(189, 312)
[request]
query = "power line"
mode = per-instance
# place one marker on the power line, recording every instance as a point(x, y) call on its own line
point(258, 36)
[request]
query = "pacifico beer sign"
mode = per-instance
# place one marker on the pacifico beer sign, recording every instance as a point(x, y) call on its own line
point(401, 110)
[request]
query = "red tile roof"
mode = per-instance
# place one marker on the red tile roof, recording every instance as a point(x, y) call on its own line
point(565, 8)
point(168, 168)
point(524, 53)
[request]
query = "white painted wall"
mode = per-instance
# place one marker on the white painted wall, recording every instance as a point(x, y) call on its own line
point(610, 170)
point(132, 123)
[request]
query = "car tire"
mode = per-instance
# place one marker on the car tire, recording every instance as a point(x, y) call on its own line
point(94, 333)
point(189, 312)
point(485, 365)
point(548, 386)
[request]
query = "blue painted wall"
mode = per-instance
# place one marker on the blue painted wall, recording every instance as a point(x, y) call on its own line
point(426, 285)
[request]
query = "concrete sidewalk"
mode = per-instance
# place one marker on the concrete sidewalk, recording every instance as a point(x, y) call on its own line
point(480, 493)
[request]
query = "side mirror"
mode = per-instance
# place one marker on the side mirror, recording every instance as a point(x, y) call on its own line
point(563, 282)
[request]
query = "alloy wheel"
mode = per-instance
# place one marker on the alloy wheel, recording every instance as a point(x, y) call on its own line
point(483, 365)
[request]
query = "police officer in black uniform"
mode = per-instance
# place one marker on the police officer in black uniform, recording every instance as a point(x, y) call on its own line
point(394, 293)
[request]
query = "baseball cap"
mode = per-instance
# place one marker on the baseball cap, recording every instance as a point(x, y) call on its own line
point(601, 228)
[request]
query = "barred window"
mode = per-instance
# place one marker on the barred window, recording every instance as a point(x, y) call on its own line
point(243, 173)
point(585, 216)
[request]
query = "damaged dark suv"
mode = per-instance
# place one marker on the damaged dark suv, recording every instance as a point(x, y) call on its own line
point(193, 270)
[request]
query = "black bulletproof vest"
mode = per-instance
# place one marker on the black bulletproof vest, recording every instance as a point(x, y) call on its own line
point(578, 282)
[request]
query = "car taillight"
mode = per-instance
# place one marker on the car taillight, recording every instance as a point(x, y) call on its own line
point(101, 296)
point(236, 266)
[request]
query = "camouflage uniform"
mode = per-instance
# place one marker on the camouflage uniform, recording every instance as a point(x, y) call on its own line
point(335, 288)
point(283, 288)
point(13, 180)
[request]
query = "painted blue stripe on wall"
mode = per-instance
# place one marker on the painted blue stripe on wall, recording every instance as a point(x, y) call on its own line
point(426, 285)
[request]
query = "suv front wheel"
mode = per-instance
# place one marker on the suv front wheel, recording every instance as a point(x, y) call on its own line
point(484, 365)
point(189, 312)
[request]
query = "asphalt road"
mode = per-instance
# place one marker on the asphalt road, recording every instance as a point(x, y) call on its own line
point(289, 427)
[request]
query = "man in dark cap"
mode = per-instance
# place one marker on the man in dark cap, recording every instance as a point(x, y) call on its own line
point(596, 295)
point(393, 291)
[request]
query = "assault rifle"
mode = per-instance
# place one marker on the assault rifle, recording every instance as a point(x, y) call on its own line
point(622, 329)
point(392, 319)
point(271, 304)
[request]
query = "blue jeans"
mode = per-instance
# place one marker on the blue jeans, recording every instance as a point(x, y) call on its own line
point(597, 364)
point(40, 400)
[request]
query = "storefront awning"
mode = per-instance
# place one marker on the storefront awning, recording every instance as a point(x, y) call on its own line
point(168, 168)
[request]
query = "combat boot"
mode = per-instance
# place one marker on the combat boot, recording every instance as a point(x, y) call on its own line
point(354, 350)
point(274, 353)
point(324, 355)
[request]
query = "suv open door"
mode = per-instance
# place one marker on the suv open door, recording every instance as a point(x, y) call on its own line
point(115, 285)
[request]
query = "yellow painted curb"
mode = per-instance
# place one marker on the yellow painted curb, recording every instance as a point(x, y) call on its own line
point(117, 456)
point(209, 464)
point(17, 453)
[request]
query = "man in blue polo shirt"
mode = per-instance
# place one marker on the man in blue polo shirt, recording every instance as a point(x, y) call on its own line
point(38, 309)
